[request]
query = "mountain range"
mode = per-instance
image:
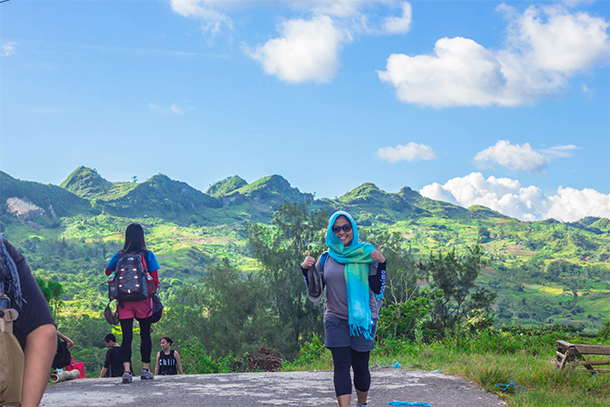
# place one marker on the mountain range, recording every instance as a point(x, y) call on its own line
point(86, 192)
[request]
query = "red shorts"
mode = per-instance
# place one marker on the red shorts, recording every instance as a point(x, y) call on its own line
point(135, 309)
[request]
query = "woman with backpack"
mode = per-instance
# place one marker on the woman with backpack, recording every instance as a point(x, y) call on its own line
point(136, 278)
point(354, 274)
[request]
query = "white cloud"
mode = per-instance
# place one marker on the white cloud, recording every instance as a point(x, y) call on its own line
point(308, 47)
point(559, 151)
point(205, 10)
point(546, 47)
point(554, 39)
point(517, 157)
point(586, 90)
point(508, 197)
point(438, 192)
point(306, 51)
point(335, 8)
point(460, 73)
point(8, 49)
point(572, 204)
point(574, 3)
point(514, 157)
point(165, 110)
point(175, 109)
point(399, 25)
point(409, 152)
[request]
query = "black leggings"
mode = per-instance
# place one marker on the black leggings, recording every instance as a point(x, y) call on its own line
point(145, 347)
point(343, 358)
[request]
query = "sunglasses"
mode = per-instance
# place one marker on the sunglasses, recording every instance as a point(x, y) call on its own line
point(345, 228)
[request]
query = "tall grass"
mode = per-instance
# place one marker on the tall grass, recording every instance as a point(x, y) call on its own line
point(523, 356)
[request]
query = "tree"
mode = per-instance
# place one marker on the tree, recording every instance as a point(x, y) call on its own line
point(405, 307)
point(401, 274)
point(52, 292)
point(483, 234)
point(280, 249)
point(237, 314)
point(458, 299)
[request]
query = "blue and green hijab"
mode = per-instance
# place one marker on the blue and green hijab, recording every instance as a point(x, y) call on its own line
point(356, 256)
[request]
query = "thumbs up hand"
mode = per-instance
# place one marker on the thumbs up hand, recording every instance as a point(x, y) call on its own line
point(309, 261)
point(377, 256)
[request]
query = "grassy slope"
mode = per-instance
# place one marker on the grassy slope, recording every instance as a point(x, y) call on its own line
point(491, 359)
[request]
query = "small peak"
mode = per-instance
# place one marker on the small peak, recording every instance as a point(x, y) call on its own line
point(368, 188)
point(367, 193)
point(85, 182)
point(273, 182)
point(407, 192)
point(226, 186)
point(159, 176)
point(82, 173)
point(369, 185)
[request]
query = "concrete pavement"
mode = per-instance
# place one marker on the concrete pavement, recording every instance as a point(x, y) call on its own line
point(267, 389)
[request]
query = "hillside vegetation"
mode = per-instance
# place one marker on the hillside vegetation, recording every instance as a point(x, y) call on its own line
point(469, 291)
point(543, 272)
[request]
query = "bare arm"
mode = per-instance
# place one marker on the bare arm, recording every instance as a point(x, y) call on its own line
point(40, 347)
point(103, 373)
point(157, 364)
point(69, 342)
point(178, 363)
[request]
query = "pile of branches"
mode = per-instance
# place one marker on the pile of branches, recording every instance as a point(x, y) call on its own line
point(265, 360)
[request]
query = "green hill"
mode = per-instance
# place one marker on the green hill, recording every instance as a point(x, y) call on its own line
point(374, 205)
point(482, 212)
point(593, 224)
point(157, 197)
point(86, 183)
point(226, 186)
point(266, 193)
point(33, 201)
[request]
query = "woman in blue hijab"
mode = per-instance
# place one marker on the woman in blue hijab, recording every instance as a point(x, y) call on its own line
point(354, 276)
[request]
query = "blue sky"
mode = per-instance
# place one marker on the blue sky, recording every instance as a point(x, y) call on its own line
point(473, 102)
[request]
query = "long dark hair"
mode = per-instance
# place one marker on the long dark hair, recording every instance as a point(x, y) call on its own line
point(134, 238)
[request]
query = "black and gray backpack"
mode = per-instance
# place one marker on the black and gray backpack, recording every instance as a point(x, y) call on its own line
point(131, 281)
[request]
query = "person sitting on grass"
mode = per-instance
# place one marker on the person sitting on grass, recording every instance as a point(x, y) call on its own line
point(168, 360)
point(113, 365)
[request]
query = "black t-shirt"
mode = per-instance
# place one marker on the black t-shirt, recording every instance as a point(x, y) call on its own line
point(114, 361)
point(35, 311)
point(167, 363)
point(62, 355)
